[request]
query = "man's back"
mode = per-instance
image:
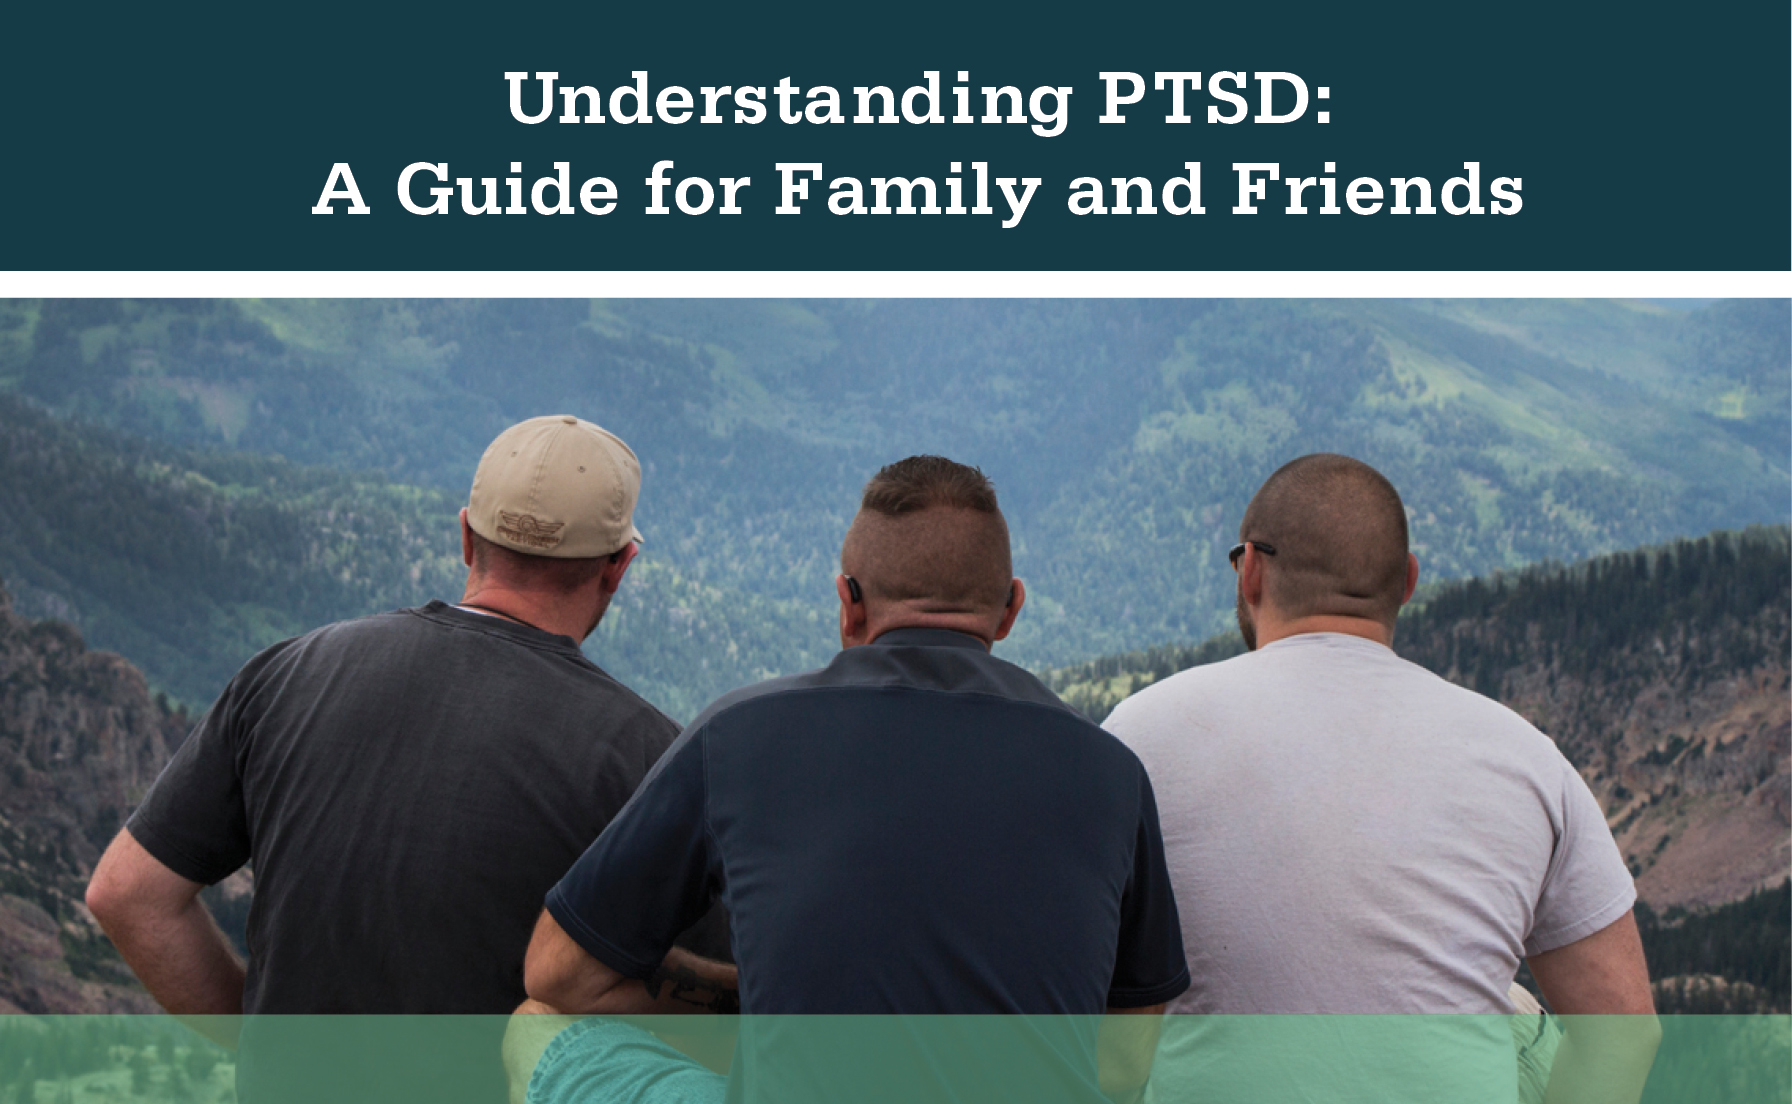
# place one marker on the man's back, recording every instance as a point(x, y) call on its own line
point(1349, 833)
point(410, 785)
point(917, 828)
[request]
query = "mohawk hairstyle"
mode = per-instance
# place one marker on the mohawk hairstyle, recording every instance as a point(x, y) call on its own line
point(929, 531)
point(918, 482)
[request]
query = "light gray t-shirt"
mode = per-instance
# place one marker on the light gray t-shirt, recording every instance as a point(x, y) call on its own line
point(1347, 832)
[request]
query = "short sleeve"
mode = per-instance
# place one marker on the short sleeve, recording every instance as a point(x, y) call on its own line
point(1150, 967)
point(646, 878)
point(193, 820)
point(1587, 887)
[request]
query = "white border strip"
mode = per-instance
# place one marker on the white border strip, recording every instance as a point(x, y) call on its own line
point(902, 285)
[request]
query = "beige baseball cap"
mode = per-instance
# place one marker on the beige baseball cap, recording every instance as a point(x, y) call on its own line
point(556, 486)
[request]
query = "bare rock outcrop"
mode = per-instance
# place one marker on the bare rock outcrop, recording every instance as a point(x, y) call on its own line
point(81, 739)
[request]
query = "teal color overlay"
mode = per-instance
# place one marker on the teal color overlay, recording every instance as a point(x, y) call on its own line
point(1648, 136)
point(914, 1059)
point(599, 1059)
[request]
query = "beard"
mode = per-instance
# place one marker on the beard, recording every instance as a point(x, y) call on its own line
point(1247, 625)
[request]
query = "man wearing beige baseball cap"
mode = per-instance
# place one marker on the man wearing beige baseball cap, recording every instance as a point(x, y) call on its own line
point(408, 785)
point(549, 529)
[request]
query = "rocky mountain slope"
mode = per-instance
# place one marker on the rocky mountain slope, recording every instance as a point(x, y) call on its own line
point(1663, 676)
point(81, 739)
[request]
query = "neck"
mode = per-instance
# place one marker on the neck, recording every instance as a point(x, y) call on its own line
point(1271, 629)
point(969, 624)
point(556, 614)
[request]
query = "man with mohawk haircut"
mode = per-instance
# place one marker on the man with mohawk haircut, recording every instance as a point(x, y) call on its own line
point(917, 828)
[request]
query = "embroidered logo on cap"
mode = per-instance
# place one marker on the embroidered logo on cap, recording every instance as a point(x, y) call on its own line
point(529, 529)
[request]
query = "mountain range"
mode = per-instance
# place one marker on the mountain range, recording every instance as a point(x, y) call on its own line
point(274, 440)
point(186, 482)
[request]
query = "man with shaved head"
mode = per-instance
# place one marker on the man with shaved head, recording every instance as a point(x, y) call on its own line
point(916, 828)
point(1344, 531)
point(1349, 833)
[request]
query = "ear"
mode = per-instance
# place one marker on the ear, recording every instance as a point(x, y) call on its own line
point(611, 578)
point(1412, 577)
point(853, 617)
point(1017, 598)
point(466, 538)
point(1250, 576)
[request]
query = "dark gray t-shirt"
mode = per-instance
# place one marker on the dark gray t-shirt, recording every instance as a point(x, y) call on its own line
point(409, 786)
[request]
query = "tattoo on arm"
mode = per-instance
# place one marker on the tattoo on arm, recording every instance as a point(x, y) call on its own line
point(681, 983)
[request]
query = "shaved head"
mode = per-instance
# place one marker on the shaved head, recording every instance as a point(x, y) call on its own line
point(930, 535)
point(1339, 533)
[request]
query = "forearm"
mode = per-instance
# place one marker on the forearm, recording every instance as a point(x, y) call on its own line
point(1603, 1059)
point(532, 1027)
point(1126, 1043)
point(184, 961)
point(561, 975)
point(1600, 986)
point(684, 984)
point(164, 934)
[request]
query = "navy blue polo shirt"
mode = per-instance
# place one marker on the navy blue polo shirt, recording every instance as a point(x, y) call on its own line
point(917, 828)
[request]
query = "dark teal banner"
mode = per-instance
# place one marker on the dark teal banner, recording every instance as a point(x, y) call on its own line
point(1389, 137)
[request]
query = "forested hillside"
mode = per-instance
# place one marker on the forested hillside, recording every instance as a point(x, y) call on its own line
point(1580, 619)
point(188, 562)
point(1735, 958)
point(1125, 436)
